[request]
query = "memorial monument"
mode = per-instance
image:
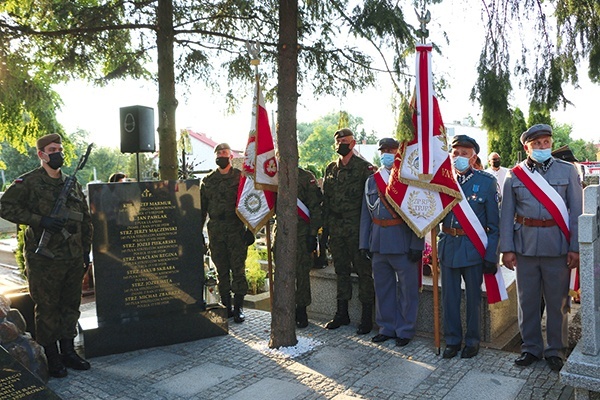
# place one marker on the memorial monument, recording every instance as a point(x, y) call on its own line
point(148, 257)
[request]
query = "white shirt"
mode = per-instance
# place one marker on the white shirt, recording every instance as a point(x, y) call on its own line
point(500, 177)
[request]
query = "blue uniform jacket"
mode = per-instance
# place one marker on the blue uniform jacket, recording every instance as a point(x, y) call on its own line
point(396, 239)
point(481, 189)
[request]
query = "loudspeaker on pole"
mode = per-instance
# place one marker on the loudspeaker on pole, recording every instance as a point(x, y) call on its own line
point(137, 129)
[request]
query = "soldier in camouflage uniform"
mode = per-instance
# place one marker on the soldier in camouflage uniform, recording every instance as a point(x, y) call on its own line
point(54, 284)
point(310, 198)
point(343, 188)
point(227, 235)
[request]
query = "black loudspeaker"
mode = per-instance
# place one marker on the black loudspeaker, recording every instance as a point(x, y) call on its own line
point(137, 129)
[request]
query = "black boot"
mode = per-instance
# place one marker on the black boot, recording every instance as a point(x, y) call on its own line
point(70, 358)
point(238, 310)
point(56, 368)
point(366, 319)
point(341, 316)
point(226, 300)
point(301, 317)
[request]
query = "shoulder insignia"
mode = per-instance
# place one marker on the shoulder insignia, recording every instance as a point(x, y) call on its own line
point(19, 180)
point(498, 197)
point(312, 181)
point(370, 167)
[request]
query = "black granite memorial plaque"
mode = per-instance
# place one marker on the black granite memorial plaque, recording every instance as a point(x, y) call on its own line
point(148, 266)
point(17, 382)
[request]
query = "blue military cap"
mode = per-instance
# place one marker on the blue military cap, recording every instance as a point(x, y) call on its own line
point(465, 141)
point(388, 143)
point(536, 131)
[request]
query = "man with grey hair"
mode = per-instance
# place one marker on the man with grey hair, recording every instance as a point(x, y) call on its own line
point(538, 236)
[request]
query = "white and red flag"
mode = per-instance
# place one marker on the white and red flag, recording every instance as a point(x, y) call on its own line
point(422, 187)
point(258, 186)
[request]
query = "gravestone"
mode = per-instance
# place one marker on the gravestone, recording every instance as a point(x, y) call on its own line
point(17, 382)
point(148, 268)
point(582, 369)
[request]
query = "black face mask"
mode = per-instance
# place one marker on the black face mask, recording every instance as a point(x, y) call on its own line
point(55, 160)
point(343, 149)
point(496, 163)
point(222, 162)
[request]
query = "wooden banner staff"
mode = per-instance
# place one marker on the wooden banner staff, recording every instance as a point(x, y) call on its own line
point(270, 264)
point(436, 297)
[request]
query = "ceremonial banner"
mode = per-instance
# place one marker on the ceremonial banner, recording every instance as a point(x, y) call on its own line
point(422, 188)
point(258, 186)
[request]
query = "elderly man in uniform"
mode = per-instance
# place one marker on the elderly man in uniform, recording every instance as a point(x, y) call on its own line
point(54, 283)
point(343, 189)
point(542, 203)
point(459, 255)
point(310, 219)
point(227, 236)
point(395, 251)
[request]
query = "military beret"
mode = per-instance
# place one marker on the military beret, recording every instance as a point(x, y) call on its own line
point(564, 153)
point(343, 133)
point(222, 146)
point(47, 139)
point(536, 131)
point(388, 143)
point(465, 141)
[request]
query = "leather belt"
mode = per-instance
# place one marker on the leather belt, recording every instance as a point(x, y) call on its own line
point(388, 222)
point(540, 223)
point(453, 231)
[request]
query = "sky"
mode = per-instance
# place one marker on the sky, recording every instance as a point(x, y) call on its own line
point(96, 110)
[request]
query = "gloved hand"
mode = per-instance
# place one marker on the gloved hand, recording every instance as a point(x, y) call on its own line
point(248, 237)
point(311, 243)
point(366, 254)
point(489, 267)
point(414, 255)
point(52, 224)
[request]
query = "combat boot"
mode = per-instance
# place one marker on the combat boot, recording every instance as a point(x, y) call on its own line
point(238, 310)
point(301, 317)
point(226, 300)
point(341, 316)
point(366, 320)
point(56, 368)
point(70, 358)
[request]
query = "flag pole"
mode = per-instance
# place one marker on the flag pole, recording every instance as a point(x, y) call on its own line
point(255, 61)
point(436, 297)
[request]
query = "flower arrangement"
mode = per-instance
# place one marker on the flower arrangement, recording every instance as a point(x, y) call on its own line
point(427, 254)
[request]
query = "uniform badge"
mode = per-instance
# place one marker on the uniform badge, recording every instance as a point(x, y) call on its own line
point(19, 180)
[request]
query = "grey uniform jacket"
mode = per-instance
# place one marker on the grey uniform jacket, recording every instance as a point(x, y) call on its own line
point(518, 200)
point(396, 239)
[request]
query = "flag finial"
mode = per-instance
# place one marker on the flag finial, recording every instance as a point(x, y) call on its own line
point(253, 51)
point(424, 17)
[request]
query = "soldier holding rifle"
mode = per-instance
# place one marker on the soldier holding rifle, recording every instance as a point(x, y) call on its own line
point(55, 267)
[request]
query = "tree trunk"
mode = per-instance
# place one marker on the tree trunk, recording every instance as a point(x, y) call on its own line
point(167, 103)
point(283, 323)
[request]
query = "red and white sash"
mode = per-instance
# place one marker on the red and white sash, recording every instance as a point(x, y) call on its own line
point(545, 194)
point(303, 211)
point(494, 284)
point(382, 177)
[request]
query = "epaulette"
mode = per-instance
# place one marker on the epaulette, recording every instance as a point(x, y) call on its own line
point(485, 173)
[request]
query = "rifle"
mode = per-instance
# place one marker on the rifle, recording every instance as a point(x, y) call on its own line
point(60, 210)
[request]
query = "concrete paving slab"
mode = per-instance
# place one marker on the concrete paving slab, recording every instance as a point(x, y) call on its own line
point(329, 361)
point(344, 396)
point(197, 379)
point(483, 386)
point(144, 364)
point(400, 374)
point(270, 389)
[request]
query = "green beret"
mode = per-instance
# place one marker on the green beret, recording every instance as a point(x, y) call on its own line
point(535, 131)
point(388, 143)
point(465, 141)
point(222, 146)
point(343, 133)
point(47, 139)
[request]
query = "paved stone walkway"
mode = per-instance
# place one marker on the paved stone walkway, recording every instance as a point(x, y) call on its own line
point(337, 365)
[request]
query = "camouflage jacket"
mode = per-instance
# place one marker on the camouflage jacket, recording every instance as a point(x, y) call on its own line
point(310, 194)
point(32, 196)
point(218, 197)
point(343, 189)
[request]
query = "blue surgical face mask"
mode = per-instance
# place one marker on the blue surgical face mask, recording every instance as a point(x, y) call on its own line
point(541, 155)
point(387, 160)
point(461, 163)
